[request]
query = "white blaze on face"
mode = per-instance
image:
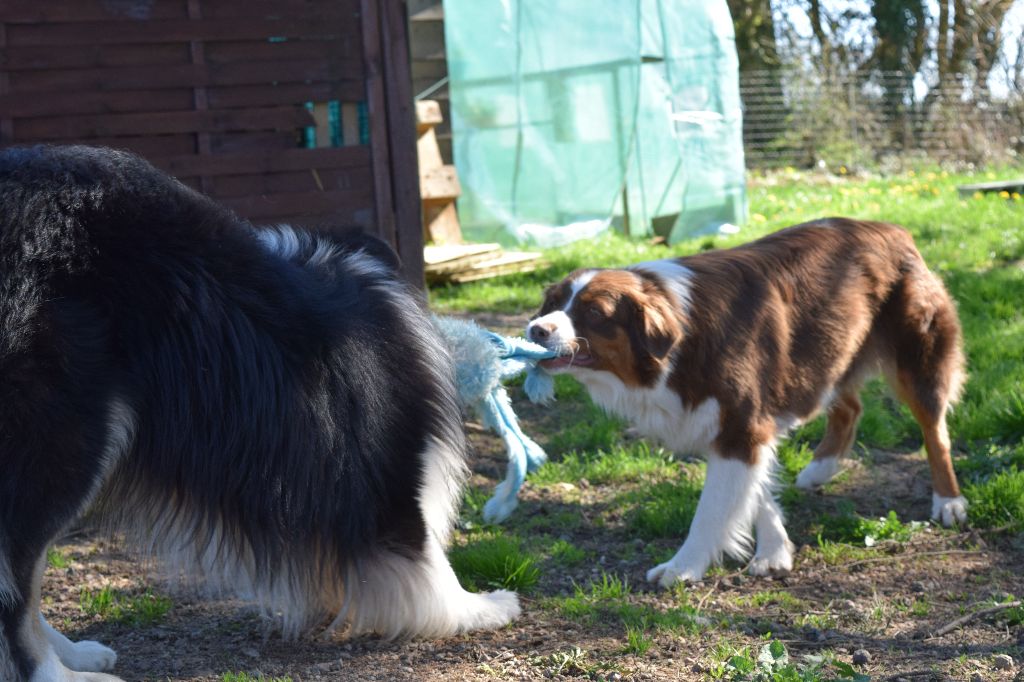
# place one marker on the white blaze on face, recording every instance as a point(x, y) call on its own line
point(558, 324)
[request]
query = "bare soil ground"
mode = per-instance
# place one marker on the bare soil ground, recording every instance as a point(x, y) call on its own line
point(888, 602)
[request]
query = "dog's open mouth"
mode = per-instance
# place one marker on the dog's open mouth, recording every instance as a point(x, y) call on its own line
point(578, 359)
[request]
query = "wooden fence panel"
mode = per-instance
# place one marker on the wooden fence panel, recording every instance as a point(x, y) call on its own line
point(232, 97)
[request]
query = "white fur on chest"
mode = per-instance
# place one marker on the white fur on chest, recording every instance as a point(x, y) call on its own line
point(656, 412)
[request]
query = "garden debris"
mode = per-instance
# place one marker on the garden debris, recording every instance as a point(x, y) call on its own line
point(1003, 661)
point(949, 627)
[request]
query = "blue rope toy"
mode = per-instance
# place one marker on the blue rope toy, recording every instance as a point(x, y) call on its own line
point(483, 360)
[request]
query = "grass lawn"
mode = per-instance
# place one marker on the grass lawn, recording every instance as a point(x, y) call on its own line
point(876, 592)
point(608, 505)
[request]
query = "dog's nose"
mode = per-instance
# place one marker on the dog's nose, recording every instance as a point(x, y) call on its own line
point(539, 333)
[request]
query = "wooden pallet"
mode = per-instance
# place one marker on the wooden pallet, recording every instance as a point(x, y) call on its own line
point(459, 263)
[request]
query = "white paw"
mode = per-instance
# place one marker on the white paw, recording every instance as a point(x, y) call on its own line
point(949, 510)
point(89, 656)
point(672, 572)
point(501, 608)
point(772, 560)
point(52, 669)
point(818, 473)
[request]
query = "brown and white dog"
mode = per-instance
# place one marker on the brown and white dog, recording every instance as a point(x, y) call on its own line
point(723, 352)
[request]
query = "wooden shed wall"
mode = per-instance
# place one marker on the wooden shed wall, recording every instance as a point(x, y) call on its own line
point(221, 94)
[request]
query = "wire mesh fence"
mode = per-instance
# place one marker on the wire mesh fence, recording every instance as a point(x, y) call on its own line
point(883, 119)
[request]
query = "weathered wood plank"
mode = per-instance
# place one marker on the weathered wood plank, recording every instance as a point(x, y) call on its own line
point(302, 203)
point(184, 75)
point(507, 263)
point(332, 23)
point(255, 141)
point(36, 12)
point(439, 184)
point(149, 146)
point(266, 162)
point(69, 103)
point(35, 57)
point(377, 112)
point(401, 123)
point(232, 97)
point(161, 123)
point(996, 186)
point(290, 50)
point(308, 180)
point(458, 253)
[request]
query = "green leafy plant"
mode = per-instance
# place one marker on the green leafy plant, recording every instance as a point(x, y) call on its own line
point(494, 561)
point(122, 607)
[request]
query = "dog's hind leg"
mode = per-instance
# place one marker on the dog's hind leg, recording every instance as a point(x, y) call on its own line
point(840, 433)
point(414, 592)
point(396, 595)
point(729, 503)
point(927, 372)
point(928, 397)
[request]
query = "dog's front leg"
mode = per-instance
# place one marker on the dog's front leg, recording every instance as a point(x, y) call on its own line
point(733, 489)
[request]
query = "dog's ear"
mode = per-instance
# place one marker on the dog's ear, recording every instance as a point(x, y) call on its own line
point(658, 326)
point(355, 239)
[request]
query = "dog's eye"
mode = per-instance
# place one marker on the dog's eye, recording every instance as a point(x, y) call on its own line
point(594, 312)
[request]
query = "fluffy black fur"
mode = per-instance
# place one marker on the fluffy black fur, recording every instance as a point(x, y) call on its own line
point(262, 414)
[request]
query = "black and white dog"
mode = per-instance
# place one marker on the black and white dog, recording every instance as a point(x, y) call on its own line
point(266, 408)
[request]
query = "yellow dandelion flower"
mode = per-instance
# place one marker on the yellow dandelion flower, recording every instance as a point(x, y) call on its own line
point(842, 170)
point(978, 195)
point(1015, 196)
point(1004, 194)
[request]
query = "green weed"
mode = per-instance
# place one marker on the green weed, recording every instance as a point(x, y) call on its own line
point(920, 608)
point(773, 664)
point(849, 527)
point(567, 554)
point(833, 553)
point(494, 561)
point(637, 640)
point(121, 607)
point(572, 662)
point(997, 501)
point(57, 559)
point(780, 598)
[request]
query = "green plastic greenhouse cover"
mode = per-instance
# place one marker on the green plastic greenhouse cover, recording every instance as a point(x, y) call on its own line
point(570, 115)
